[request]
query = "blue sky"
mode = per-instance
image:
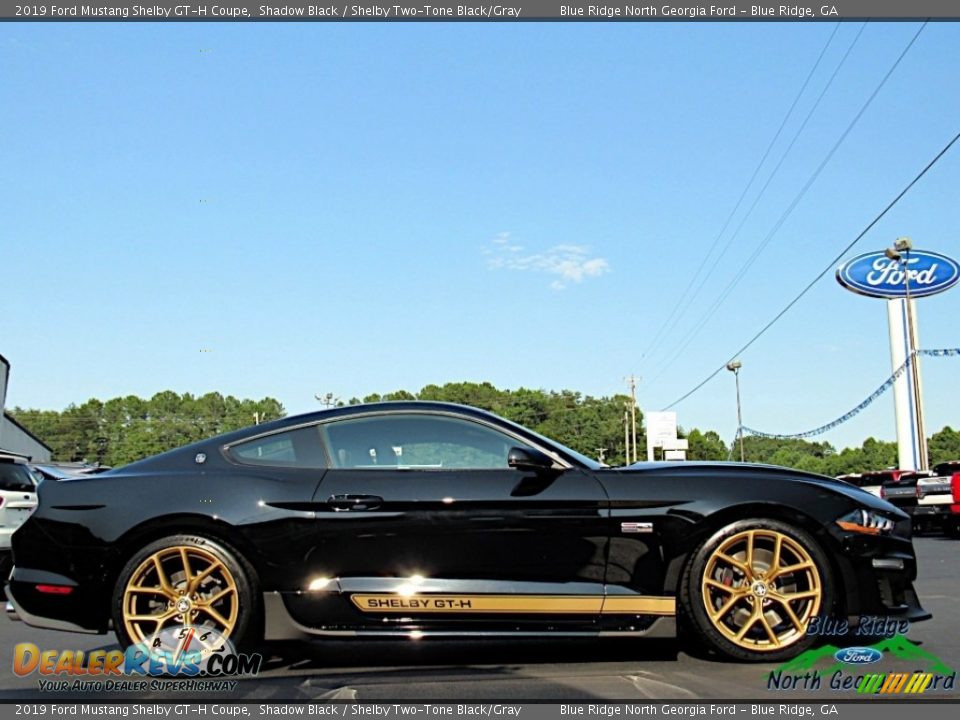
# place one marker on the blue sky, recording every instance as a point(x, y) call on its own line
point(291, 209)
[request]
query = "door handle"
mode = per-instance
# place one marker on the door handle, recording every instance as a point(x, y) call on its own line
point(354, 502)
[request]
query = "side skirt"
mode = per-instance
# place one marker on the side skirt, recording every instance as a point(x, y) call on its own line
point(280, 625)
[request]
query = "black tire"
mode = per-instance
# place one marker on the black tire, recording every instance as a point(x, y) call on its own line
point(735, 599)
point(233, 578)
point(951, 528)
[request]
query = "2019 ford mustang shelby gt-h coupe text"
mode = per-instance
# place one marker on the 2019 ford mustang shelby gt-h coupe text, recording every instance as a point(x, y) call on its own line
point(418, 518)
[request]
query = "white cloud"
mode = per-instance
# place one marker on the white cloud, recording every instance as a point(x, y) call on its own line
point(571, 263)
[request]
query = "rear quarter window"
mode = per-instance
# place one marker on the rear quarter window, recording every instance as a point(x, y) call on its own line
point(299, 448)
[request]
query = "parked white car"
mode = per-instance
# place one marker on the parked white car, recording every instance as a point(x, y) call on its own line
point(18, 498)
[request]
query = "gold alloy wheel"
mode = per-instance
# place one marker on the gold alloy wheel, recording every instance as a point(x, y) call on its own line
point(760, 589)
point(180, 585)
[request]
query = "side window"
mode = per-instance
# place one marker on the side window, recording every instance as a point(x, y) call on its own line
point(424, 442)
point(15, 478)
point(298, 448)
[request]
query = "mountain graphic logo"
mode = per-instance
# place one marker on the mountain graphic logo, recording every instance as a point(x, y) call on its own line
point(898, 647)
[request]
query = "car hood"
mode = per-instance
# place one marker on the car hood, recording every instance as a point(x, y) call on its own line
point(770, 473)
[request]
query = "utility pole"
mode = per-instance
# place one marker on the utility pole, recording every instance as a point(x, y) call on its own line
point(327, 400)
point(633, 412)
point(626, 435)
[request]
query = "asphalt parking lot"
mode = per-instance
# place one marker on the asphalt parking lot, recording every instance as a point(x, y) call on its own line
point(518, 670)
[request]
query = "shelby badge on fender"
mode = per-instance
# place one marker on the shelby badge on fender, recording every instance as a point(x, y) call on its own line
point(418, 518)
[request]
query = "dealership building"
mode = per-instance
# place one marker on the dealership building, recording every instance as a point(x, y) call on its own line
point(14, 437)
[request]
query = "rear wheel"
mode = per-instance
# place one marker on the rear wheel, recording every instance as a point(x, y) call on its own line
point(751, 590)
point(183, 581)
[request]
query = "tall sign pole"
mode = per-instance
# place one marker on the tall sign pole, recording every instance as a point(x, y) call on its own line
point(907, 398)
point(899, 275)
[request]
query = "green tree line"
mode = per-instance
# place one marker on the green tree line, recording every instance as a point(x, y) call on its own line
point(130, 428)
point(125, 429)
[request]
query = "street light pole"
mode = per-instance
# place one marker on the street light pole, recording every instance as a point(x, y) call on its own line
point(734, 367)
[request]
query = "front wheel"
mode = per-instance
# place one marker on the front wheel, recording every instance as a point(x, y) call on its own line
point(751, 590)
point(183, 581)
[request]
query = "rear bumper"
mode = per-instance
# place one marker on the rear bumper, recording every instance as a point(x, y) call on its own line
point(78, 611)
point(929, 511)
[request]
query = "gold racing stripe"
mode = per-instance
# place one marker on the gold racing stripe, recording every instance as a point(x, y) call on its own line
point(639, 605)
point(519, 604)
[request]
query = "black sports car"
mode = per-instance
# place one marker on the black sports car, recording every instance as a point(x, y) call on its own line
point(418, 518)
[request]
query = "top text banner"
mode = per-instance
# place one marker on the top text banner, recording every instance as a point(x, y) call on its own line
point(465, 10)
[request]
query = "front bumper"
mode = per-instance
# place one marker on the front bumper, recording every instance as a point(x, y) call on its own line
point(877, 574)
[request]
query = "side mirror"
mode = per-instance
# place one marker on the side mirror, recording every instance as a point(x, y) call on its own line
point(528, 459)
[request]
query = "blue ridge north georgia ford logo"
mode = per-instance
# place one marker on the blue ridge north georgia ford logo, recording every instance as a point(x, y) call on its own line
point(876, 275)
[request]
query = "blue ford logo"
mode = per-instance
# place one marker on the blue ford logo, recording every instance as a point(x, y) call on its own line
point(858, 655)
point(876, 275)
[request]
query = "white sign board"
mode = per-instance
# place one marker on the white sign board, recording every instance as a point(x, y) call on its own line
point(661, 428)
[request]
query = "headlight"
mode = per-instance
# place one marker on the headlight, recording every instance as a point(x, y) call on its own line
point(867, 522)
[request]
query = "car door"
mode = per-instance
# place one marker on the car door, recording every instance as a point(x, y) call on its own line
point(421, 518)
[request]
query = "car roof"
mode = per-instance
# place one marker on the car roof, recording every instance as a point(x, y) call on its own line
point(361, 409)
point(13, 457)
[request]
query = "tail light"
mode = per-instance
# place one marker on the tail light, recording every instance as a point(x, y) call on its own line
point(883, 493)
point(955, 489)
point(54, 589)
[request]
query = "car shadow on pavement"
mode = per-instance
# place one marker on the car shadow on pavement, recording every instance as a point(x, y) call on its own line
point(365, 654)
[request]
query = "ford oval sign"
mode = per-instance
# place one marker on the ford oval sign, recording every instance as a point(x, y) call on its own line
point(876, 275)
point(858, 655)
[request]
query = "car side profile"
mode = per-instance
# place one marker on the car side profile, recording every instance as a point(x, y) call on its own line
point(413, 519)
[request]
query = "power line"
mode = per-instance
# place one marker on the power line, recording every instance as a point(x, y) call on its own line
point(743, 194)
point(687, 338)
point(826, 269)
point(731, 286)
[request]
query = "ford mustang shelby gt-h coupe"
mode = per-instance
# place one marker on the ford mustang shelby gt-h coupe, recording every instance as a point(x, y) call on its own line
point(415, 519)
